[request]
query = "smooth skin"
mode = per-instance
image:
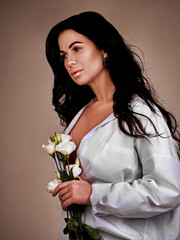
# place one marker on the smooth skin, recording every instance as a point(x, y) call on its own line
point(84, 63)
point(71, 192)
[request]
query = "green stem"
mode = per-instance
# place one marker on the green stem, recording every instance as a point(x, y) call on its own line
point(79, 217)
point(59, 161)
point(67, 160)
point(70, 211)
point(76, 234)
point(63, 160)
point(56, 164)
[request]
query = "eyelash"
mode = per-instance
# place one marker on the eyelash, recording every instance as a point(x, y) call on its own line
point(62, 57)
point(76, 49)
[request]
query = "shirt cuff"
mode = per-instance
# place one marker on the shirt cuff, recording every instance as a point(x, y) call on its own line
point(99, 194)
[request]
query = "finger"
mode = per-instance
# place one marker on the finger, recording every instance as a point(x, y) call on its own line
point(66, 196)
point(62, 192)
point(58, 188)
point(80, 178)
point(66, 203)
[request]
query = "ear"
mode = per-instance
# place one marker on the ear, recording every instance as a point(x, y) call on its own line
point(105, 55)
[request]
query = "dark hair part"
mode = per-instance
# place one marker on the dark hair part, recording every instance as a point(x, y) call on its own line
point(125, 67)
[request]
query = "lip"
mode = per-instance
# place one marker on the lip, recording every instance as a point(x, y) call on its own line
point(76, 73)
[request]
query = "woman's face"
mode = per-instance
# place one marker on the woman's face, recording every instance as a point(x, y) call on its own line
point(82, 59)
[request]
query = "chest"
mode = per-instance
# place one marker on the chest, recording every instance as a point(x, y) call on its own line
point(89, 119)
point(108, 155)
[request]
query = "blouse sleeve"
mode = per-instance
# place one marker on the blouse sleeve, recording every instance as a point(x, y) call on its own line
point(158, 190)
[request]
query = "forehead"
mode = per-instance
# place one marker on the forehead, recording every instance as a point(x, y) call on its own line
point(69, 36)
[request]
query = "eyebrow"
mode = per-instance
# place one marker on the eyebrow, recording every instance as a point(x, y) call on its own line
point(70, 46)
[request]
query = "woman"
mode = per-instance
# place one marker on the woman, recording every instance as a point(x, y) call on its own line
point(126, 141)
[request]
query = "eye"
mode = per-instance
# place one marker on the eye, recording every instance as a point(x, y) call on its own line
point(63, 57)
point(76, 49)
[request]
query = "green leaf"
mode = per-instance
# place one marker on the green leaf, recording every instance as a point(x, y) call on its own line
point(92, 233)
point(66, 220)
point(64, 176)
point(66, 230)
point(52, 138)
point(73, 224)
point(73, 236)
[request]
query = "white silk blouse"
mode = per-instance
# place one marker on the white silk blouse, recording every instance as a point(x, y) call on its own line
point(135, 182)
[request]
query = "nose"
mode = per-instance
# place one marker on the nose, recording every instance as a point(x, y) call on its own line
point(71, 62)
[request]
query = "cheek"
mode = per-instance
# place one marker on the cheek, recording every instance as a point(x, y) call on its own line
point(95, 60)
point(96, 55)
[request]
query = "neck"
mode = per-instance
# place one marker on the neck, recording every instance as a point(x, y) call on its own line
point(103, 88)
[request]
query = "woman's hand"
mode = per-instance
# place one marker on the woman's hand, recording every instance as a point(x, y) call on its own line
point(73, 192)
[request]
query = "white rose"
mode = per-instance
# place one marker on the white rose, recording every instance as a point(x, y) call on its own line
point(65, 138)
point(75, 169)
point(50, 148)
point(52, 185)
point(65, 148)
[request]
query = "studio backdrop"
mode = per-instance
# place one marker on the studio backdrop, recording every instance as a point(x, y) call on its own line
point(27, 115)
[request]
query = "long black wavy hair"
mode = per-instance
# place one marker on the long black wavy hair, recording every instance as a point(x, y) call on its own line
point(125, 67)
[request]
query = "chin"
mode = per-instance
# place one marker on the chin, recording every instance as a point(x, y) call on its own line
point(80, 82)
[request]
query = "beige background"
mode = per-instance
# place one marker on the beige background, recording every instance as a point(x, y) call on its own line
point(27, 116)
